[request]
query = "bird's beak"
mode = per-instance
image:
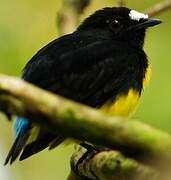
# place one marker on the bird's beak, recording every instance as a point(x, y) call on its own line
point(147, 23)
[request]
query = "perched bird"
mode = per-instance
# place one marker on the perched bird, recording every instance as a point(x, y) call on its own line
point(102, 64)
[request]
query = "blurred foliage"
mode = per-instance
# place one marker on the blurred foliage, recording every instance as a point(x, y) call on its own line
point(25, 26)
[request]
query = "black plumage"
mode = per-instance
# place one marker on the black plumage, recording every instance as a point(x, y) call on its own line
point(103, 58)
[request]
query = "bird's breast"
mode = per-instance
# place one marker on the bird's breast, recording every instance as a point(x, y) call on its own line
point(123, 105)
point(146, 79)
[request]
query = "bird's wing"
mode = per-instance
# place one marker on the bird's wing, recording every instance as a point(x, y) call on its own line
point(84, 69)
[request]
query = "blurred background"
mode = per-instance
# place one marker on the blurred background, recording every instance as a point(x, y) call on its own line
point(26, 26)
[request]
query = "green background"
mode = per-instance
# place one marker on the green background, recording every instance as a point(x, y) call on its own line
point(25, 26)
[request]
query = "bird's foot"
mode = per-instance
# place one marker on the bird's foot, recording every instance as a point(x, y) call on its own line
point(92, 150)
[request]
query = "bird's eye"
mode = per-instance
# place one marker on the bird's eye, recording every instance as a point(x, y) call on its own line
point(115, 25)
point(116, 21)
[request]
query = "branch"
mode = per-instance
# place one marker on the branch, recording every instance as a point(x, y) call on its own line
point(68, 16)
point(107, 165)
point(77, 121)
point(121, 3)
point(159, 8)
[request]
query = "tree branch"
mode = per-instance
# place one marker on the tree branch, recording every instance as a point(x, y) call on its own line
point(68, 16)
point(121, 3)
point(159, 8)
point(74, 120)
point(107, 165)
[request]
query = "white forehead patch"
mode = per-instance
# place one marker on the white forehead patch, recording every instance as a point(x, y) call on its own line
point(135, 15)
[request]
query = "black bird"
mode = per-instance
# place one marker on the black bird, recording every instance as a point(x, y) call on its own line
point(102, 64)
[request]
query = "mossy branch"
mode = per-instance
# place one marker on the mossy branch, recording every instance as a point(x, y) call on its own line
point(133, 138)
point(110, 165)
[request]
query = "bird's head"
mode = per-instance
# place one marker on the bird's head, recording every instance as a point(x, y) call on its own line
point(119, 23)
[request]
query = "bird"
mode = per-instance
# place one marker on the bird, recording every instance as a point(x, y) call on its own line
point(102, 64)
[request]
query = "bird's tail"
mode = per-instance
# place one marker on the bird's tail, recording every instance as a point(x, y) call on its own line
point(22, 129)
point(44, 140)
point(28, 142)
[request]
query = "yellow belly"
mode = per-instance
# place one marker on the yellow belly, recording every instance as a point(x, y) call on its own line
point(147, 76)
point(123, 105)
